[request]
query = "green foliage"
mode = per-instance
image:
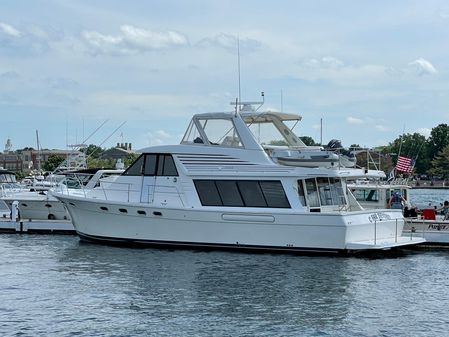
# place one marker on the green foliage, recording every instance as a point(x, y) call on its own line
point(100, 163)
point(308, 141)
point(130, 159)
point(93, 151)
point(409, 145)
point(278, 142)
point(53, 162)
point(438, 140)
point(440, 164)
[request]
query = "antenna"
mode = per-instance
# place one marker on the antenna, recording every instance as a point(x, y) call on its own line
point(38, 151)
point(282, 103)
point(321, 131)
point(238, 67)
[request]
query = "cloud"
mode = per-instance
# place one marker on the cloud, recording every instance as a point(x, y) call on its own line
point(9, 30)
point(132, 40)
point(353, 120)
point(61, 83)
point(326, 62)
point(333, 69)
point(229, 42)
point(31, 40)
point(382, 128)
point(160, 137)
point(10, 75)
point(422, 67)
point(424, 131)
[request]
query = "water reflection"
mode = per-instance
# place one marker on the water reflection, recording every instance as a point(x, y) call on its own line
point(263, 291)
point(59, 286)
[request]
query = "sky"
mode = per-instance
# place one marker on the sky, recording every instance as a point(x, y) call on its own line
point(138, 70)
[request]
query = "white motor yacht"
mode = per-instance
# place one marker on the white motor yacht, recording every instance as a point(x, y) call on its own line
point(8, 184)
point(220, 189)
point(41, 205)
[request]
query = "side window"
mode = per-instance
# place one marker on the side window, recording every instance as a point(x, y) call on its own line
point(136, 168)
point(274, 194)
point(243, 193)
point(302, 197)
point(166, 166)
point(229, 193)
point(251, 193)
point(312, 192)
point(150, 164)
point(325, 191)
point(208, 193)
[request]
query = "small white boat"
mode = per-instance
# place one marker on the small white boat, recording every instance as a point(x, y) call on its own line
point(220, 189)
point(271, 127)
point(376, 193)
point(430, 225)
point(41, 205)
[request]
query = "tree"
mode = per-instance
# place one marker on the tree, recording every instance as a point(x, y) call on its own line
point(440, 164)
point(100, 163)
point(93, 151)
point(438, 140)
point(411, 146)
point(53, 162)
point(308, 141)
point(278, 143)
point(130, 159)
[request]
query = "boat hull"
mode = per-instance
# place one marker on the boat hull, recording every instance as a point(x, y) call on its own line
point(40, 209)
point(103, 221)
point(436, 232)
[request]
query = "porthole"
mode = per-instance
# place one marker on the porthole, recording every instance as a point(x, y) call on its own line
point(71, 203)
point(24, 205)
point(157, 213)
point(123, 210)
point(141, 212)
point(47, 205)
point(103, 208)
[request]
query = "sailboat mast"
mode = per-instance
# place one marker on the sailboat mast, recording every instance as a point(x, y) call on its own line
point(38, 151)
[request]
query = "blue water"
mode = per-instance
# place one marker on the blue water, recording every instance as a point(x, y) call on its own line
point(425, 197)
point(54, 285)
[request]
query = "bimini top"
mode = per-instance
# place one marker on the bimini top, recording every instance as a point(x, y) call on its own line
point(223, 129)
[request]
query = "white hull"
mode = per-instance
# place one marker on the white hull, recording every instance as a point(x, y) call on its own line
point(436, 232)
point(40, 208)
point(256, 229)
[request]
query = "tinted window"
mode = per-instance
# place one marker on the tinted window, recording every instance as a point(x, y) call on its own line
point(150, 164)
point(136, 168)
point(208, 193)
point(169, 168)
point(274, 194)
point(251, 193)
point(245, 193)
point(229, 193)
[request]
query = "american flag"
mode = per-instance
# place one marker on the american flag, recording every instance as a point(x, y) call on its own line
point(405, 164)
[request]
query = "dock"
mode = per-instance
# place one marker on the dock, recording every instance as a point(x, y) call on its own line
point(36, 226)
